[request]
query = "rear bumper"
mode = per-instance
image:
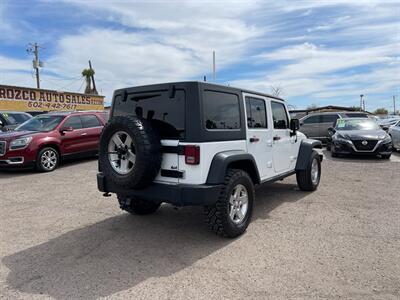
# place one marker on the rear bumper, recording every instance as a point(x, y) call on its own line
point(176, 194)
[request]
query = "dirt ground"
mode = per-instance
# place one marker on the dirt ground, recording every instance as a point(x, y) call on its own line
point(61, 239)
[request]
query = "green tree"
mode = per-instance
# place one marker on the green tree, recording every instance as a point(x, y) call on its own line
point(381, 111)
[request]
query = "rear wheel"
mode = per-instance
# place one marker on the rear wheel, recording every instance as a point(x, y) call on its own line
point(137, 206)
point(231, 214)
point(387, 156)
point(308, 179)
point(47, 159)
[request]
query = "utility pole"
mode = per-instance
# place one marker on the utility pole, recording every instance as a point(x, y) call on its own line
point(34, 49)
point(394, 105)
point(214, 74)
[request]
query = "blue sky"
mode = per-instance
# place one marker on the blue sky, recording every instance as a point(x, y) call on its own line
point(316, 52)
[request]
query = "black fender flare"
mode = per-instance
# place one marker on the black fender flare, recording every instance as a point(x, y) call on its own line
point(307, 146)
point(222, 160)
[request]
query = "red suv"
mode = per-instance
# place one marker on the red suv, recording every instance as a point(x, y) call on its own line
point(44, 140)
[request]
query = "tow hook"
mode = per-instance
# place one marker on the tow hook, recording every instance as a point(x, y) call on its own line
point(107, 194)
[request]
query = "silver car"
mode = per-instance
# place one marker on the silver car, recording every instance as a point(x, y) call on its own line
point(316, 125)
point(394, 132)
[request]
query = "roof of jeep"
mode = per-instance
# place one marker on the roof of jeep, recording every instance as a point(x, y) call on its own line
point(159, 86)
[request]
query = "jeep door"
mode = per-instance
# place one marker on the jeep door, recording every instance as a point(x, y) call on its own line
point(259, 133)
point(282, 143)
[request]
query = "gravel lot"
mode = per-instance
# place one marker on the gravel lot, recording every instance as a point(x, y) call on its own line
point(61, 239)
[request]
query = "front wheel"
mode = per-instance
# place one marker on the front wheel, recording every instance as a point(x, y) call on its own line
point(231, 214)
point(47, 159)
point(308, 179)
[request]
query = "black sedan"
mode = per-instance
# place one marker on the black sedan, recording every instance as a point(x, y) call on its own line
point(360, 137)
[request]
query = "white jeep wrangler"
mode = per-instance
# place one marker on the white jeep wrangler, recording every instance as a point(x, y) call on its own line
point(195, 143)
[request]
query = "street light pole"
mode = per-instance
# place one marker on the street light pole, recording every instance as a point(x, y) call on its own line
point(361, 102)
point(214, 74)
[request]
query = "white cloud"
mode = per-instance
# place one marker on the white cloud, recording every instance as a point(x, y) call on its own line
point(147, 42)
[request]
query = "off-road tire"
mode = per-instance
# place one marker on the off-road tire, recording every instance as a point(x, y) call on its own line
point(137, 206)
point(387, 156)
point(304, 177)
point(217, 216)
point(39, 163)
point(147, 146)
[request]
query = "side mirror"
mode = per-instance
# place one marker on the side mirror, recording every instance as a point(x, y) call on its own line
point(66, 129)
point(294, 126)
point(331, 130)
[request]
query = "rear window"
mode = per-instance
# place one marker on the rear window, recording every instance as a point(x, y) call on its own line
point(221, 110)
point(165, 112)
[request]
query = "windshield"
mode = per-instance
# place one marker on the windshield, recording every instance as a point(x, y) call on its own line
point(356, 124)
point(40, 123)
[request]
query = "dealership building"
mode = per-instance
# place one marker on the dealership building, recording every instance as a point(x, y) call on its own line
point(14, 98)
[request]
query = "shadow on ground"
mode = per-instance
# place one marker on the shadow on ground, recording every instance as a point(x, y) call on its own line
point(17, 172)
point(120, 252)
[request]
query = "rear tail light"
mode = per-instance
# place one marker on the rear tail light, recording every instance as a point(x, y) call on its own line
point(192, 155)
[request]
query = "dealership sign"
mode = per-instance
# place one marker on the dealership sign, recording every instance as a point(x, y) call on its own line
point(29, 99)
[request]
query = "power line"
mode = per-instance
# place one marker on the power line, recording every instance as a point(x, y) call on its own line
point(83, 81)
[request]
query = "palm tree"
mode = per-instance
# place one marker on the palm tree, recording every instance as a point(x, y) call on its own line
point(88, 74)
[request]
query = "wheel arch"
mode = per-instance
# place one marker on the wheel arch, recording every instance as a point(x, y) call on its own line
point(307, 146)
point(50, 145)
point(236, 159)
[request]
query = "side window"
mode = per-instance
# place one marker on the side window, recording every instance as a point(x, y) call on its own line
point(279, 115)
point(221, 110)
point(329, 118)
point(312, 120)
point(256, 113)
point(74, 122)
point(89, 121)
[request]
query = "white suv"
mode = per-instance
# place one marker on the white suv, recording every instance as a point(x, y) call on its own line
point(195, 143)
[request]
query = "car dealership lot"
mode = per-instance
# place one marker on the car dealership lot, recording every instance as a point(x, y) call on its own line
point(60, 238)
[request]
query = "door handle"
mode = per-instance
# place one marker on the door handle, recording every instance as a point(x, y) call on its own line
point(254, 140)
point(276, 138)
point(85, 133)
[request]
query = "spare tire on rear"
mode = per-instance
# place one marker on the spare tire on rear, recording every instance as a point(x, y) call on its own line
point(130, 152)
